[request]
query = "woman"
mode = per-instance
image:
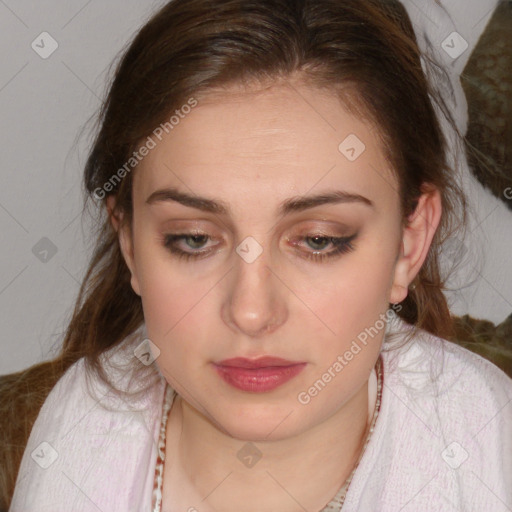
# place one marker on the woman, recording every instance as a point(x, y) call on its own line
point(262, 326)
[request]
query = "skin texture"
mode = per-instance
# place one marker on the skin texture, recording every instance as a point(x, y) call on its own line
point(253, 150)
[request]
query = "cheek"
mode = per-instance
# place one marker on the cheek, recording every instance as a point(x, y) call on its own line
point(171, 297)
point(352, 296)
point(172, 306)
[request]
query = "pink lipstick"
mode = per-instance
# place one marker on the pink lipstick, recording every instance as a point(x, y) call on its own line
point(258, 375)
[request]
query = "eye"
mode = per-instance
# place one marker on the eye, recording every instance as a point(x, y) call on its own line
point(319, 243)
point(187, 245)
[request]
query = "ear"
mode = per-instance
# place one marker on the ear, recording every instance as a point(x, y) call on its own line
point(417, 236)
point(124, 232)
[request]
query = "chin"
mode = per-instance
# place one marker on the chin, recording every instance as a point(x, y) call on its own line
point(258, 425)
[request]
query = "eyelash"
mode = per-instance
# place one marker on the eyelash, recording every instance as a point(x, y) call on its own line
point(342, 245)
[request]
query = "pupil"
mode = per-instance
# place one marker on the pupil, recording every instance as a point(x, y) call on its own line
point(197, 240)
point(319, 241)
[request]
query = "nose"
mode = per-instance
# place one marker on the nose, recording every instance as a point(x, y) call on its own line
point(255, 303)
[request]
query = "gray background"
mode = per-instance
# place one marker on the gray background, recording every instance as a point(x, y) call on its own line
point(44, 106)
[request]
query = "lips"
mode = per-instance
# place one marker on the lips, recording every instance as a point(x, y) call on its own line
point(258, 375)
point(260, 362)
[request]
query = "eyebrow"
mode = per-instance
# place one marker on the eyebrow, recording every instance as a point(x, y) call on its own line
point(292, 205)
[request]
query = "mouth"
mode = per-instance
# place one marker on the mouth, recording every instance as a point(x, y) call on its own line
point(260, 362)
point(258, 375)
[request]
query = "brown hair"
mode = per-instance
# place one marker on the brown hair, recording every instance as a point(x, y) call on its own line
point(365, 51)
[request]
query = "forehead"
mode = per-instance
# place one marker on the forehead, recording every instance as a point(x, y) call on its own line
point(287, 139)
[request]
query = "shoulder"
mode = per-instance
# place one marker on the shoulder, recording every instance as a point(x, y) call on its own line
point(458, 389)
point(90, 444)
point(447, 422)
point(442, 438)
point(435, 365)
point(130, 386)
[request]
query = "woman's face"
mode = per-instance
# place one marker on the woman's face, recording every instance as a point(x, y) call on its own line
point(288, 249)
